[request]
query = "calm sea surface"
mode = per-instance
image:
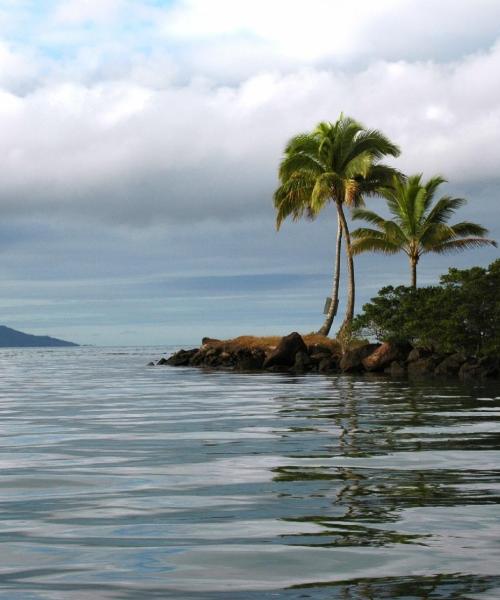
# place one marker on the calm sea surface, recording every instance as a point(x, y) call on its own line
point(123, 481)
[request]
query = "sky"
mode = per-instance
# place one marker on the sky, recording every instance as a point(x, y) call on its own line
point(140, 142)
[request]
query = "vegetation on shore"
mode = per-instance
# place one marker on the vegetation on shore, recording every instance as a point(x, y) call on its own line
point(461, 314)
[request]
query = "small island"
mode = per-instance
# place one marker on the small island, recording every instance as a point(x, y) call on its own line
point(11, 338)
point(447, 330)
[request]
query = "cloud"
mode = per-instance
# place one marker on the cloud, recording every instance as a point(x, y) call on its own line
point(85, 11)
point(336, 30)
point(139, 153)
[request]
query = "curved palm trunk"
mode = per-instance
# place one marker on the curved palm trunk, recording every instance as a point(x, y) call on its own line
point(332, 311)
point(351, 292)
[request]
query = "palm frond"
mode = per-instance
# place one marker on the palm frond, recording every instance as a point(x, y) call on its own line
point(431, 187)
point(292, 199)
point(460, 245)
point(394, 233)
point(466, 228)
point(303, 142)
point(323, 190)
point(372, 141)
point(444, 209)
point(369, 216)
point(374, 244)
point(299, 162)
point(367, 232)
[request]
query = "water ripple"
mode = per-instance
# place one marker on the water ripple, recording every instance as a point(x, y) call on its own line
point(125, 482)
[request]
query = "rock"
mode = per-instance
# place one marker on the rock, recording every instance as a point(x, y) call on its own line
point(317, 357)
point(396, 369)
point(422, 367)
point(471, 370)
point(284, 354)
point(211, 357)
point(450, 365)
point(226, 359)
point(181, 358)
point(198, 357)
point(318, 348)
point(418, 353)
point(150, 364)
point(352, 359)
point(479, 369)
point(385, 355)
point(303, 362)
point(328, 365)
point(207, 340)
point(162, 361)
point(491, 366)
point(249, 360)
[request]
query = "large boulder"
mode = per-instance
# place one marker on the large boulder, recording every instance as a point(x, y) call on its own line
point(284, 354)
point(396, 369)
point(248, 359)
point(212, 357)
point(181, 358)
point(352, 360)
point(385, 355)
point(450, 366)
point(417, 354)
point(423, 367)
point(302, 362)
point(199, 357)
point(328, 365)
point(479, 369)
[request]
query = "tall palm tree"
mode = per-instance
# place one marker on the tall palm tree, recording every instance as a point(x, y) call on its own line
point(337, 163)
point(418, 226)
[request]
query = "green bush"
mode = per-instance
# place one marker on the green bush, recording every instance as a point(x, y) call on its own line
point(462, 313)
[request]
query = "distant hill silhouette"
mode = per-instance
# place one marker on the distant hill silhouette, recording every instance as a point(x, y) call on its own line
point(10, 338)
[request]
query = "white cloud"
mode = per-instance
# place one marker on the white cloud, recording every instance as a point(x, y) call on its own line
point(335, 29)
point(85, 11)
point(124, 152)
point(323, 29)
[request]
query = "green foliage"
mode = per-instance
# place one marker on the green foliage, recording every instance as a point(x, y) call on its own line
point(335, 162)
point(460, 314)
point(417, 226)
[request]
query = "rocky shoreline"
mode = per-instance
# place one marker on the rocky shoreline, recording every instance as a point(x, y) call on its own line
point(294, 354)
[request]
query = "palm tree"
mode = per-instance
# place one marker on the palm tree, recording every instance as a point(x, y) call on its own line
point(337, 163)
point(417, 226)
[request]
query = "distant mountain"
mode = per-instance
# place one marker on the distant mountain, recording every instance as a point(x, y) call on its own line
point(10, 338)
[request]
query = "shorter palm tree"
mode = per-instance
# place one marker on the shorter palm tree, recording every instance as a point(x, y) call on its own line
point(418, 226)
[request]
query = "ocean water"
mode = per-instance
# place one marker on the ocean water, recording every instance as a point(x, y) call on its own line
point(123, 481)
